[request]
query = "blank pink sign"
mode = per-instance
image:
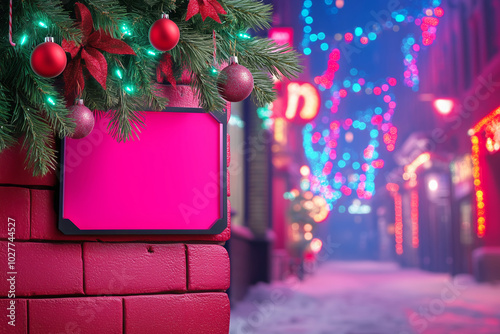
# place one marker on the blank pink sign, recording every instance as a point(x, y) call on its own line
point(171, 180)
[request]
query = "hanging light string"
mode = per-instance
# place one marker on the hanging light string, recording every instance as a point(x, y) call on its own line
point(10, 25)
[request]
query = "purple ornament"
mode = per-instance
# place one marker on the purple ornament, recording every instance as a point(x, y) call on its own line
point(235, 82)
point(84, 119)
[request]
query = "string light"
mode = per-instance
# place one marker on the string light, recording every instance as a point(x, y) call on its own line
point(427, 21)
point(266, 115)
point(414, 218)
point(476, 172)
point(316, 245)
point(330, 171)
point(483, 124)
point(24, 39)
point(129, 88)
point(214, 71)
point(320, 145)
point(244, 36)
point(119, 73)
point(398, 225)
point(410, 169)
point(125, 30)
point(51, 100)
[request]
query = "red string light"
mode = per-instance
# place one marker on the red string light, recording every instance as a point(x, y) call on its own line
point(476, 173)
point(398, 226)
point(476, 170)
point(414, 219)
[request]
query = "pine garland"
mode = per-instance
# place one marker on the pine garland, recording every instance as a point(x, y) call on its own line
point(34, 109)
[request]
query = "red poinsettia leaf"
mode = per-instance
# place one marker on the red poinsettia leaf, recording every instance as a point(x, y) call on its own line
point(159, 76)
point(166, 69)
point(85, 19)
point(102, 41)
point(217, 6)
point(193, 9)
point(71, 47)
point(207, 10)
point(74, 82)
point(96, 64)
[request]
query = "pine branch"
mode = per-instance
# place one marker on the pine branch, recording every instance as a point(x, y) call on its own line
point(108, 15)
point(279, 60)
point(205, 87)
point(6, 128)
point(248, 14)
point(38, 141)
point(57, 19)
point(41, 94)
point(33, 107)
point(263, 91)
point(126, 122)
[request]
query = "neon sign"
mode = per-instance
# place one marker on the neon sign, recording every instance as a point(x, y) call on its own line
point(303, 102)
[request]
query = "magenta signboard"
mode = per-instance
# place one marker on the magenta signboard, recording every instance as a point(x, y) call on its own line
point(170, 181)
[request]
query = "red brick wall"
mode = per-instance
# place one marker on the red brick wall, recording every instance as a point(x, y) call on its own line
point(106, 284)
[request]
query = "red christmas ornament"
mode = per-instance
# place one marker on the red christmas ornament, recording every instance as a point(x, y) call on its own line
point(48, 60)
point(164, 34)
point(235, 82)
point(84, 119)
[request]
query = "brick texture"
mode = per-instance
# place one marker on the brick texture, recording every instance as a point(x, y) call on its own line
point(197, 313)
point(133, 268)
point(15, 204)
point(45, 269)
point(104, 283)
point(208, 267)
point(21, 317)
point(12, 169)
point(44, 225)
point(76, 315)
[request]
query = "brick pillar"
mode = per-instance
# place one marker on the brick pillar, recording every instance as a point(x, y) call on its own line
point(106, 284)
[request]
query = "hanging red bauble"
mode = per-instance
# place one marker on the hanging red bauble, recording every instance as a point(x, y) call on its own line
point(48, 60)
point(84, 119)
point(164, 34)
point(235, 82)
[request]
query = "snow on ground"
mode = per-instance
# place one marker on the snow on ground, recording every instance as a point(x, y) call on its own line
point(370, 298)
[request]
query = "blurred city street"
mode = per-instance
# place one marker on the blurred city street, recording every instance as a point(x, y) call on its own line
point(370, 298)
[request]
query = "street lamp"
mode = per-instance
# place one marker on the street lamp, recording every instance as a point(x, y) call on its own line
point(444, 106)
point(433, 185)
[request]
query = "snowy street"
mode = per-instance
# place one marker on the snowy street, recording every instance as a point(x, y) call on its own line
point(370, 298)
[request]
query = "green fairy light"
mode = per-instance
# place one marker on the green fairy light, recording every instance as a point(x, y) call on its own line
point(24, 39)
point(125, 30)
point(42, 24)
point(214, 71)
point(244, 35)
point(119, 74)
point(129, 88)
point(152, 53)
point(51, 101)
